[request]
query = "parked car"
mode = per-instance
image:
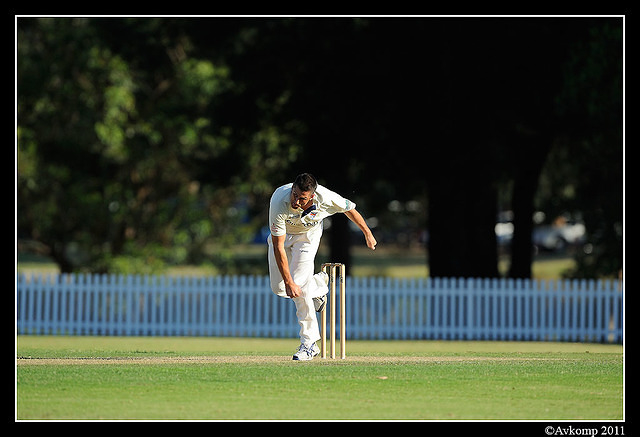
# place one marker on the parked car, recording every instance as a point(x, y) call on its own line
point(558, 236)
point(552, 237)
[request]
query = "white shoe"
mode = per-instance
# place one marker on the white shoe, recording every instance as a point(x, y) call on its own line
point(320, 302)
point(305, 353)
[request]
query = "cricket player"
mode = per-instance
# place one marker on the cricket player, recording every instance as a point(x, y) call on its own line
point(296, 212)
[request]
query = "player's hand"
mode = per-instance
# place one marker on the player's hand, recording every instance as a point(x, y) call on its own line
point(371, 242)
point(293, 290)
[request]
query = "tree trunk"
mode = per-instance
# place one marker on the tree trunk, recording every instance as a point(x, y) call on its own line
point(462, 211)
point(340, 240)
point(532, 158)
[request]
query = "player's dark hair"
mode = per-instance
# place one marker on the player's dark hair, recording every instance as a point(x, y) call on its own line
point(306, 182)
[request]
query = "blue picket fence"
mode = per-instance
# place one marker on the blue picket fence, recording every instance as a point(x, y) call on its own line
point(377, 308)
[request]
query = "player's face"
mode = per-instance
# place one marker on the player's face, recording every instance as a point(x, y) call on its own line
point(300, 199)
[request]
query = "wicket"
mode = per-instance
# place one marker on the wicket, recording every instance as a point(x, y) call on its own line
point(332, 318)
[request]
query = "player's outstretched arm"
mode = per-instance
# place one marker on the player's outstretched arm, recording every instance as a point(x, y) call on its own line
point(357, 218)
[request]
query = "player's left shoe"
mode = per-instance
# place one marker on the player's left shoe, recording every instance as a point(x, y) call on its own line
point(305, 353)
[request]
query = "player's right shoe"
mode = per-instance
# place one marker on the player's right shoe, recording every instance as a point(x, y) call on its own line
point(320, 302)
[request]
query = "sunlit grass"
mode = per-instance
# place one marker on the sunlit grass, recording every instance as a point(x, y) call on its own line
point(393, 262)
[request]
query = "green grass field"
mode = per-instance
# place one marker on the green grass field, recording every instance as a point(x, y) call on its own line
point(389, 261)
point(149, 378)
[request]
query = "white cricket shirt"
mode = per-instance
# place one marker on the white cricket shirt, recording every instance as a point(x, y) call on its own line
point(285, 220)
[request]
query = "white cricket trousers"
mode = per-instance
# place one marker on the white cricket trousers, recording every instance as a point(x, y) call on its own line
point(301, 251)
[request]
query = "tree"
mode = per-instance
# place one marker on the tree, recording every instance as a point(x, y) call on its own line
point(584, 173)
point(122, 152)
point(159, 138)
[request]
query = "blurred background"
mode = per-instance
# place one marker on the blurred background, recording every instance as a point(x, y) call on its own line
point(475, 147)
